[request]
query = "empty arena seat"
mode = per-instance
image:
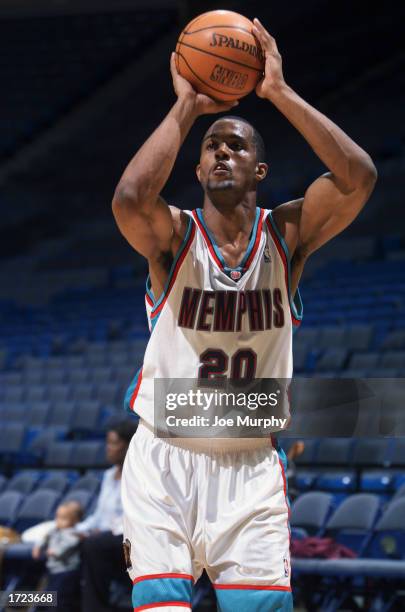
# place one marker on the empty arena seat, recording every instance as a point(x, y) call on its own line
point(86, 415)
point(393, 359)
point(61, 413)
point(334, 451)
point(309, 453)
point(305, 479)
point(370, 452)
point(380, 481)
point(332, 360)
point(395, 339)
point(38, 413)
point(364, 361)
point(310, 511)
point(83, 497)
point(23, 483)
point(331, 337)
point(358, 337)
point(83, 391)
point(87, 483)
point(352, 522)
point(37, 507)
point(86, 454)
point(307, 335)
point(389, 538)
point(57, 482)
point(11, 438)
point(78, 375)
point(59, 454)
point(10, 502)
point(400, 492)
point(3, 482)
point(337, 480)
point(398, 453)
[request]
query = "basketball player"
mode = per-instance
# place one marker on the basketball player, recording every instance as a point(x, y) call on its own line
point(192, 504)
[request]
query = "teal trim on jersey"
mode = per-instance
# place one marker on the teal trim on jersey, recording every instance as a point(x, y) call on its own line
point(296, 304)
point(130, 391)
point(161, 590)
point(250, 246)
point(149, 291)
point(174, 264)
point(253, 600)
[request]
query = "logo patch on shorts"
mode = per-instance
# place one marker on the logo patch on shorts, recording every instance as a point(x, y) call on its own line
point(127, 553)
point(286, 566)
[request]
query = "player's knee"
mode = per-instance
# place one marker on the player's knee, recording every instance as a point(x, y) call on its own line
point(254, 600)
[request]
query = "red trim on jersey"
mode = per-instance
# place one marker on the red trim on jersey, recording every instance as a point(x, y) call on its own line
point(163, 604)
point(136, 390)
point(254, 587)
point(175, 272)
point(148, 299)
point(167, 575)
point(285, 263)
point(207, 240)
point(257, 240)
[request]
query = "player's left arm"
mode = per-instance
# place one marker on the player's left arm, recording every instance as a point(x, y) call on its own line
point(334, 199)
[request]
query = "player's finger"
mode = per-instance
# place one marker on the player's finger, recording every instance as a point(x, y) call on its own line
point(173, 67)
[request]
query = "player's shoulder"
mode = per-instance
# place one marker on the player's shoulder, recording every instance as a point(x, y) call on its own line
point(288, 212)
point(181, 220)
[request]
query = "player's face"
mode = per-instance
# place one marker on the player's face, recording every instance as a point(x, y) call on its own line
point(228, 158)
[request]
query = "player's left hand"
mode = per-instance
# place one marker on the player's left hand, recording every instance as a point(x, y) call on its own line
point(273, 73)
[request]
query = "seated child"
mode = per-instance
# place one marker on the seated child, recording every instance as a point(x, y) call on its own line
point(62, 550)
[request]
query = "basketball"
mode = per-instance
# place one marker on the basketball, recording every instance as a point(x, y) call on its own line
point(218, 54)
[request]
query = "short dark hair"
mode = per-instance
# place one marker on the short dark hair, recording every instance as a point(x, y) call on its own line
point(125, 429)
point(257, 138)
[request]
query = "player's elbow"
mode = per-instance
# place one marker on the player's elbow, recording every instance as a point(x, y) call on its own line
point(125, 196)
point(367, 175)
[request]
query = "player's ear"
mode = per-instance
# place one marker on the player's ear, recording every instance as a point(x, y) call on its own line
point(261, 171)
point(198, 172)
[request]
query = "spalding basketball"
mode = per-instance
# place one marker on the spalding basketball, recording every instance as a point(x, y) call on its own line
point(218, 54)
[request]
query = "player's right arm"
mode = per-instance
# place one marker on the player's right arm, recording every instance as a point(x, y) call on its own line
point(143, 217)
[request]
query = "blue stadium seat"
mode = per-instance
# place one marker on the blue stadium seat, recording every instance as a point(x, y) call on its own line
point(3, 482)
point(84, 391)
point(352, 522)
point(87, 483)
point(61, 413)
point(332, 360)
point(10, 502)
point(310, 511)
point(334, 451)
point(86, 454)
point(59, 454)
point(36, 393)
point(398, 453)
point(37, 507)
point(83, 497)
point(370, 452)
point(38, 413)
point(400, 492)
point(305, 479)
point(379, 481)
point(389, 539)
point(23, 483)
point(58, 483)
point(393, 359)
point(337, 480)
point(309, 453)
point(86, 416)
point(11, 439)
point(59, 393)
point(364, 361)
point(358, 337)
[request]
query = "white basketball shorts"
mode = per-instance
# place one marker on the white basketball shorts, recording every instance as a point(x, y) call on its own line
point(226, 510)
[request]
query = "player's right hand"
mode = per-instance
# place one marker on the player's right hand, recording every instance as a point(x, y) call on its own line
point(203, 105)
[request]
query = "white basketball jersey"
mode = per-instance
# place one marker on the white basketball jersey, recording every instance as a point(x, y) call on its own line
point(214, 321)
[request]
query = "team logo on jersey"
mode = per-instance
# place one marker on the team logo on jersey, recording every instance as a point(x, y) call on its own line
point(235, 274)
point(286, 566)
point(127, 553)
point(266, 255)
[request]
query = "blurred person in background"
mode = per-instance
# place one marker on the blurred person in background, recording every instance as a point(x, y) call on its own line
point(61, 547)
point(102, 548)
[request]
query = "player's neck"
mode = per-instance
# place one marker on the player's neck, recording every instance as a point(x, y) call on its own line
point(229, 221)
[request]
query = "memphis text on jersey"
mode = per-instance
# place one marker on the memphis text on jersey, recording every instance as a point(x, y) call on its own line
point(226, 311)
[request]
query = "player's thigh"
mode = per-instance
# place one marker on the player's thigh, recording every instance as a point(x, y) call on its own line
point(249, 548)
point(156, 538)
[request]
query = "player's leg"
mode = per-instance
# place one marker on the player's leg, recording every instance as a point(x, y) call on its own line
point(248, 549)
point(157, 496)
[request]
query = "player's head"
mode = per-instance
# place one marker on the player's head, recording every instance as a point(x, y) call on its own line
point(119, 436)
point(236, 145)
point(68, 514)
